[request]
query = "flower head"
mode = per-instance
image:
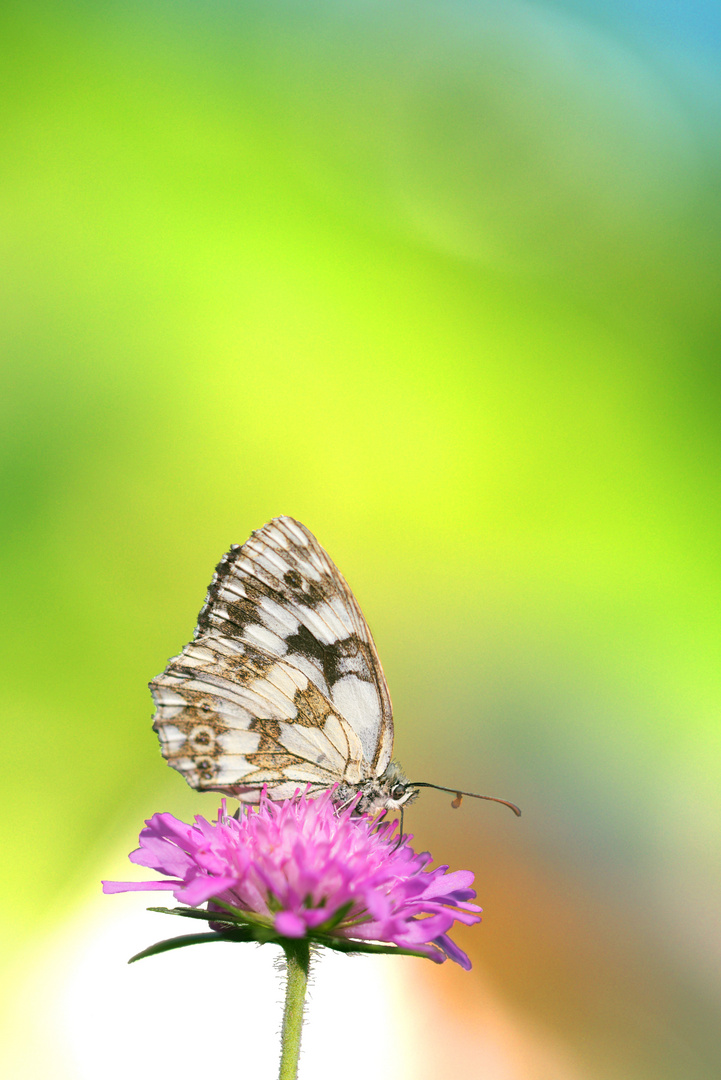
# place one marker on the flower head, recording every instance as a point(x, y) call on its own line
point(305, 869)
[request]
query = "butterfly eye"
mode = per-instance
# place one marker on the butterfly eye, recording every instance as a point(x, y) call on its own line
point(398, 791)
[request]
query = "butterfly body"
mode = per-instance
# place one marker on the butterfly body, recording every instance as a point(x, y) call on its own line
point(391, 791)
point(281, 687)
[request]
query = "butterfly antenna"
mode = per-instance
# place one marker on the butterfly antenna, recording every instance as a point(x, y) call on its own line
point(471, 795)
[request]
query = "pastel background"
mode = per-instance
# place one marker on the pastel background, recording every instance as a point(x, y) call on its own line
point(441, 280)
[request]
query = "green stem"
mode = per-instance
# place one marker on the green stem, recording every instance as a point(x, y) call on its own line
point(297, 957)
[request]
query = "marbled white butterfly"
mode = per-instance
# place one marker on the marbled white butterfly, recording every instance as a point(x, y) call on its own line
point(281, 686)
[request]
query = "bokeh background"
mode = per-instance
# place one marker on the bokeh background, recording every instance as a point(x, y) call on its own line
point(441, 280)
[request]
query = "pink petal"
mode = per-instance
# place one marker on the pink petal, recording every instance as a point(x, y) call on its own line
point(453, 952)
point(202, 889)
point(138, 886)
point(289, 924)
point(448, 883)
point(308, 859)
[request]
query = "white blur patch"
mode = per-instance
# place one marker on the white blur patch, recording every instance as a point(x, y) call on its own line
point(199, 1011)
point(77, 1011)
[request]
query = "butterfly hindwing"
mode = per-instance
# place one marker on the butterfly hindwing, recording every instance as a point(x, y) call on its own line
point(282, 684)
point(230, 717)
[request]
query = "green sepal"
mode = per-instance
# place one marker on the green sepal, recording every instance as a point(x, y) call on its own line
point(261, 929)
point(239, 925)
point(237, 914)
point(335, 920)
point(203, 913)
point(348, 945)
point(190, 939)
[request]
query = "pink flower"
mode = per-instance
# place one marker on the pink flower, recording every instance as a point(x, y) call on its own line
point(305, 869)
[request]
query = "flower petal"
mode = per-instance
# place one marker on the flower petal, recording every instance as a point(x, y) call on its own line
point(138, 886)
point(312, 866)
point(453, 952)
point(290, 925)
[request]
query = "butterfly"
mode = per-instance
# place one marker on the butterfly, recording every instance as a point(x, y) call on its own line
point(281, 687)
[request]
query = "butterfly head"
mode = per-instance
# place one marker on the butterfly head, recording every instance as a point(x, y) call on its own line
point(389, 791)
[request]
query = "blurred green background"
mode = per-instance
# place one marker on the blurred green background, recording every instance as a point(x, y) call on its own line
point(441, 280)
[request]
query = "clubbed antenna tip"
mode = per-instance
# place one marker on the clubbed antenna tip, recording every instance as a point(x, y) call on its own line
point(471, 795)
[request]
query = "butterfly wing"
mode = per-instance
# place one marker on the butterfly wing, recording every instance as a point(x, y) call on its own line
point(232, 717)
point(282, 684)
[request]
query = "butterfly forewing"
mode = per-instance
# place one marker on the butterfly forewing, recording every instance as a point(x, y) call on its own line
point(282, 684)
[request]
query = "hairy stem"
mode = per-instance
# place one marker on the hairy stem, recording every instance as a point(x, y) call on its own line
point(297, 955)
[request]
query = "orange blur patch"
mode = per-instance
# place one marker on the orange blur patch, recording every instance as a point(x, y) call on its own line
point(457, 801)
